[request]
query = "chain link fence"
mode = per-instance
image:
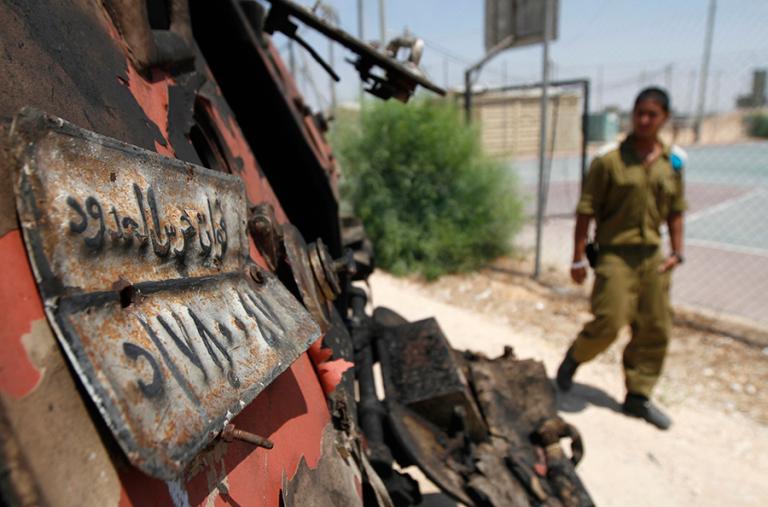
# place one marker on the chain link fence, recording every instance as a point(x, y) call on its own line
point(726, 225)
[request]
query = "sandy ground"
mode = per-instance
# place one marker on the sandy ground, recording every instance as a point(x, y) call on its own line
point(716, 453)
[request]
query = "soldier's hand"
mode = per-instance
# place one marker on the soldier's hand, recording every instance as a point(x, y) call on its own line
point(579, 274)
point(669, 264)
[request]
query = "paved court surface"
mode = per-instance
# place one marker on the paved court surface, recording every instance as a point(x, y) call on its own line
point(726, 268)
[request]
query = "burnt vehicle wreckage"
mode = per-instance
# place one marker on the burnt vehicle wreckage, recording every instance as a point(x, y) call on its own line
point(181, 324)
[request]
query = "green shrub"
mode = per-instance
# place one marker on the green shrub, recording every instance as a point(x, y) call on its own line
point(430, 200)
point(757, 125)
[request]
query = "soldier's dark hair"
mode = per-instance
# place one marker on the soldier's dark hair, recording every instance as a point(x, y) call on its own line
point(655, 94)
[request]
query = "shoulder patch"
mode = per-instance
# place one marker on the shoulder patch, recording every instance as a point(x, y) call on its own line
point(678, 157)
point(606, 149)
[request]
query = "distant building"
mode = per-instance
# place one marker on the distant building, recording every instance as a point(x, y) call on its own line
point(603, 126)
point(509, 121)
point(758, 96)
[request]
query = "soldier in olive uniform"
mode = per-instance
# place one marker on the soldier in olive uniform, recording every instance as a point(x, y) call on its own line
point(630, 190)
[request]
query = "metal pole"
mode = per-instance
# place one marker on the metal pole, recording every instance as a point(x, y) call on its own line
point(716, 101)
point(468, 95)
point(360, 36)
point(542, 134)
point(498, 48)
point(600, 88)
point(705, 70)
point(584, 132)
point(504, 110)
point(382, 25)
point(328, 13)
point(691, 91)
point(716, 92)
point(292, 60)
point(668, 77)
point(331, 81)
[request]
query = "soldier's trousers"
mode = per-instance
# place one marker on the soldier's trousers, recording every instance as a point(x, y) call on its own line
point(629, 290)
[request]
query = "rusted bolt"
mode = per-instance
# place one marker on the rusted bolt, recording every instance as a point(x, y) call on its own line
point(266, 233)
point(231, 433)
point(256, 275)
point(346, 263)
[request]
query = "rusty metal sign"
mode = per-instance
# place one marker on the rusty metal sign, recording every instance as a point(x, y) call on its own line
point(142, 262)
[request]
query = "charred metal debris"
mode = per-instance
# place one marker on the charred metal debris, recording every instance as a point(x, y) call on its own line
point(486, 431)
point(387, 76)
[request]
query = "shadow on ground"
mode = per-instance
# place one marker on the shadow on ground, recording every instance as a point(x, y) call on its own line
point(582, 395)
point(438, 500)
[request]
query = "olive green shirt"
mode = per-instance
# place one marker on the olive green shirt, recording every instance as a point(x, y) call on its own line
point(630, 202)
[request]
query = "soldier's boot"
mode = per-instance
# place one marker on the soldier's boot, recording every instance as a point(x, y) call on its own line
point(637, 405)
point(566, 371)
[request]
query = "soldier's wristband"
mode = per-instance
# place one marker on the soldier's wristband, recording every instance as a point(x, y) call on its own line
point(579, 264)
point(679, 257)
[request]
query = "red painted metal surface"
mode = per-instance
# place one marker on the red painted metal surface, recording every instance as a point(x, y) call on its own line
point(257, 187)
point(313, 137)
point(292, 411)
point(18, 376)
point(329, 372)
point(152, 96)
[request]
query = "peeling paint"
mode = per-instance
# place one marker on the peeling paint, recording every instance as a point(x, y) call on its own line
point(336, 481)
point(52, 425)
point(38, 344)
point(256, 184)
point(291, 412)
point(313, 137)
point(152, 97)
point(329, 372)
point(18, 374)
point(8, 219)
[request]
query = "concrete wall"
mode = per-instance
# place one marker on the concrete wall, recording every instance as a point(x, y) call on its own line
point(509, 122)
point(720, 129)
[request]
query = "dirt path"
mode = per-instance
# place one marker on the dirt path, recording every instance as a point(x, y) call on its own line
point(715, 454)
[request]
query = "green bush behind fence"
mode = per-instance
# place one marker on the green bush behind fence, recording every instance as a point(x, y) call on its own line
point(430, 199)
